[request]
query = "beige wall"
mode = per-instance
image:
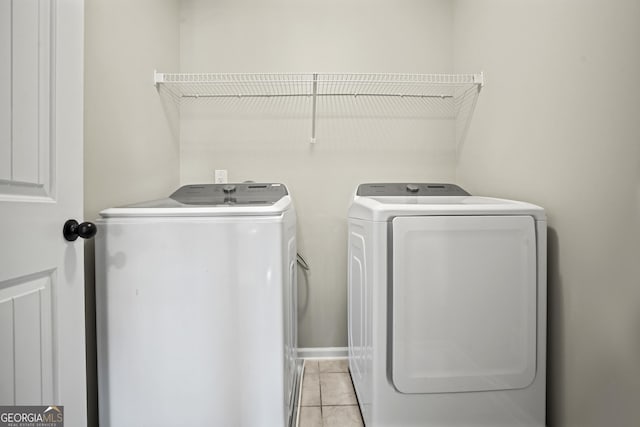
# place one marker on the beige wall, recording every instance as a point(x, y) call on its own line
point(131, 138)
point(357, 140)
point(558, 124)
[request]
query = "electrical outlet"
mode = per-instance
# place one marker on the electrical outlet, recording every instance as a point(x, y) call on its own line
point(220, 176)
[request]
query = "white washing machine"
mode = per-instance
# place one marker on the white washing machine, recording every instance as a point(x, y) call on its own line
point(447, 307)
point(196, 309)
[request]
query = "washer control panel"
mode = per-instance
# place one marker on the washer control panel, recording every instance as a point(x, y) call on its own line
point(247, 193)
point(410, 189)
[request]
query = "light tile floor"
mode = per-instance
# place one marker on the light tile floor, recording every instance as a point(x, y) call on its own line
point(328, 398)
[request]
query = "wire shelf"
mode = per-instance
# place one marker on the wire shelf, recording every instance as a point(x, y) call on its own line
point(448, 95)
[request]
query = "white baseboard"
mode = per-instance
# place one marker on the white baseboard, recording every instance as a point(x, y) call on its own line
point(323, 352)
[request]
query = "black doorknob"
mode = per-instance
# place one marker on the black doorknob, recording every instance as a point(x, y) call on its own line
point(72, 230)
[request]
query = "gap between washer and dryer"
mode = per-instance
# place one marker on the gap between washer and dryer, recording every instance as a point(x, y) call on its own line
point(328, 398)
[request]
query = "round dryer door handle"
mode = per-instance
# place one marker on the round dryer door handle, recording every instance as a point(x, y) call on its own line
point(72, 230)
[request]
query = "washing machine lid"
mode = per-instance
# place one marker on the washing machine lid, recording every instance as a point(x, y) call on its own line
point(238, 199)
point(385, 201)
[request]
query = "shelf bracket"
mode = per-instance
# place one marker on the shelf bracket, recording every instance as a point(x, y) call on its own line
point(157, 78)
point(479, 80)
point(313, 108)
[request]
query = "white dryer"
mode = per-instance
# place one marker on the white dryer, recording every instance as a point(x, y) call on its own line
point(447, 307)
point(196, 309)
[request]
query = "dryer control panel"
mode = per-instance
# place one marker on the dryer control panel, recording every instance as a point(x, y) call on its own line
point(247, 193)
point(410, 189)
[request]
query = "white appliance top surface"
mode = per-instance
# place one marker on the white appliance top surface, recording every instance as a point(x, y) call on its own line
point(246, 199)
point(386, 207)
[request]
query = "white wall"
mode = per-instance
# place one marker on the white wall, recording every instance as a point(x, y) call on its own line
point(558, 124)
point(268, 140)
point(131, 137)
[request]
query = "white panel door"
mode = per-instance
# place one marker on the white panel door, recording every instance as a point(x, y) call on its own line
point(464, 303)
point(42, 348)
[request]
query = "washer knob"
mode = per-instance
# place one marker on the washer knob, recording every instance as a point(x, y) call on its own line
point(411, 188)
point(229, 189)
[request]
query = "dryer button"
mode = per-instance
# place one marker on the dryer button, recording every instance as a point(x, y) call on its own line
point(229, 188)
point(412, 188)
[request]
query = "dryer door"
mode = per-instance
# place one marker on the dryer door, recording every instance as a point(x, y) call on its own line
point(463, 303)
